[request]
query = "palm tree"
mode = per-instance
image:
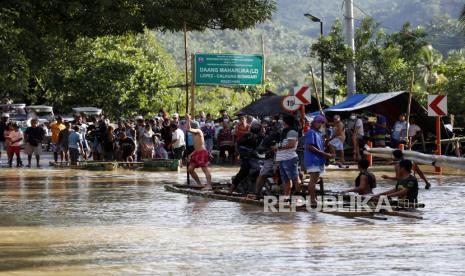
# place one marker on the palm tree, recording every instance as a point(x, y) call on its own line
point(429, 58)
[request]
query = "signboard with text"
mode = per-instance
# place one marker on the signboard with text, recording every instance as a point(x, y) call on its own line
point(228, 69)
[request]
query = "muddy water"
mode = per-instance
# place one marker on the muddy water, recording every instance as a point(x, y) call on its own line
point(68, 222)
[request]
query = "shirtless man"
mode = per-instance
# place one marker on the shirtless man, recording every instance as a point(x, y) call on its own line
point(198, 158)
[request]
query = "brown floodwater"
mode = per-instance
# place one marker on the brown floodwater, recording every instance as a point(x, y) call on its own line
point(68, 222)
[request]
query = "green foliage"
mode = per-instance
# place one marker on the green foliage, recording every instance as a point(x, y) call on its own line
point(286, 50)
point(212, 100)
point(69, 53)
point(14, 71)
point(391, 13)
point(383, 62)
point(124, 75)
point(453, 83)
point(75, 18)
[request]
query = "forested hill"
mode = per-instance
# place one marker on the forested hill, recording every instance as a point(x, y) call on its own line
point(391, 13)
point(288, 36)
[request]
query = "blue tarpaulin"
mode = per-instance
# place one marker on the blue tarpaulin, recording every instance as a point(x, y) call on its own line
point(360, 101)
point(389, 104)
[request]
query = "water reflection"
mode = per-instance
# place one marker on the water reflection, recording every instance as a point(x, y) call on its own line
point(69, 222)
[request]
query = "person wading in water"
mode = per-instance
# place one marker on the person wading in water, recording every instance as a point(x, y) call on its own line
point(365, 181)
point(198, 158)
point(399, 156)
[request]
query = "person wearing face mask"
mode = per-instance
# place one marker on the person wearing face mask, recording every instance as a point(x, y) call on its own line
point(357, 133)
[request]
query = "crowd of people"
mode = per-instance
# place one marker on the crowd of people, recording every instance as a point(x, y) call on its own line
point(270, 145)
point(163, 136)
point(285, 148)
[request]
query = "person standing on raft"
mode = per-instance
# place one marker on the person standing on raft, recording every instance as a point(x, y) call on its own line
point(199, 157)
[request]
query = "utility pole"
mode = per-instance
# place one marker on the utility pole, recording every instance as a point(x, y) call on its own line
point(349, 19)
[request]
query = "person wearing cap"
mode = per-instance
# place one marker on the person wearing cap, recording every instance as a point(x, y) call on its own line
point(75, 145)
point(34, 135)
point(315, 155)
point(199, 157)
point(55, 128)
point(175, 118)
point(3, 128)
point(178, 141)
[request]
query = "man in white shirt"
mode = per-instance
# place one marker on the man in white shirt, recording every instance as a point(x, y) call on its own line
point(286, 155)
point(178, 142)
point(414, 131)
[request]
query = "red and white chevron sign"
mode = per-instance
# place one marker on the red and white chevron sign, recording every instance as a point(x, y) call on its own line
point(437, 105)
point(302, 94)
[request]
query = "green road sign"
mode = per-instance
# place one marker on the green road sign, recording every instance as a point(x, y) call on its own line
point(228, 69)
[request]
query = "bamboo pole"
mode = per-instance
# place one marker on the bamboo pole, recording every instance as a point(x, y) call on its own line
point(193, 84)
point(264, 64)
point(316, 90)
point(187, 91)
point(409, 107)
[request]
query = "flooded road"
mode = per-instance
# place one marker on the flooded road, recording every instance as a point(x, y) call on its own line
point(62, 222)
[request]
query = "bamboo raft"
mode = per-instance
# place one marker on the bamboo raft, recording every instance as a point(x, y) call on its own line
point(161, 165)
point(220, 192)
point(87, 165)
point(147, 165)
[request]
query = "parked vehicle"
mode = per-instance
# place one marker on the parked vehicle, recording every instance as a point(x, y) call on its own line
point(17, 113)
point(88, 112)
point(43, 113)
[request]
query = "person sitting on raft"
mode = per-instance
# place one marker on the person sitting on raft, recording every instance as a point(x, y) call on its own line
point(407, 184)
point(399, 156)
point(365, 181)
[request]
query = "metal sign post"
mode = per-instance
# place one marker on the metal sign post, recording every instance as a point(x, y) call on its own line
point(437, 106)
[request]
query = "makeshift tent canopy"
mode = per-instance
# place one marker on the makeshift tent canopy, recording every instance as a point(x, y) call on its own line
point(390, 104)
point(269, 105)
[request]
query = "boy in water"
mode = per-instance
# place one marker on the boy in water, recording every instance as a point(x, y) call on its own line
point(365, 181)
point(198, 158)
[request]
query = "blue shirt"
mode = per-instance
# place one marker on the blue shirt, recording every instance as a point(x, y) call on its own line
point(74, 138)
point(315, 138)
point(190, 142)
point(399, 127)
point(379, 130)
